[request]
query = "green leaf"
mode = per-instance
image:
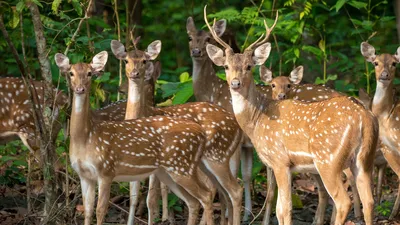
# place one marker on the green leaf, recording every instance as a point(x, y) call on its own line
point(339, 4)
point(184, 93)
point(77, 7)
point(332, 77)
point(301, 15)
point(169, 89)
point(20, 6)
point(184, 77)
point(55, 5)
point(358, 5)
point(318, 80)
point(13, 23)
point(37, 3)
point(297, 203)
point(296, 52)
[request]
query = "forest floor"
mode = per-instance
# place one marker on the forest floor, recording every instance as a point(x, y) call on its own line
point(13, 207)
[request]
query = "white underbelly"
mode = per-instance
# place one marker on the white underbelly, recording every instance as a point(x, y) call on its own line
point(310, 168)
point(128, 178)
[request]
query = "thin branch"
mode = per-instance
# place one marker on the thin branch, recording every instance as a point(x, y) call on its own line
point(119, 39)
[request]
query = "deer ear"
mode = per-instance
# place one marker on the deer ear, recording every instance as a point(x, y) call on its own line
point(261, 53)
point(153, 49)
point(157, 70)
point(216, 54)
point(149, 71)
point(220, 27)
point(296, 75)
point(98, 62)
point(364, 98)
point(368, 51)
point(190, 27)
point(62, 62)
point(397, 55)
point(265, 74)
point(118, 49)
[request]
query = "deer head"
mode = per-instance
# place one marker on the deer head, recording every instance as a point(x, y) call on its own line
point(238, 66)
point(136, 60)
point(385, 64)
point(198, 39)
point(81, 73)
point(281, 85)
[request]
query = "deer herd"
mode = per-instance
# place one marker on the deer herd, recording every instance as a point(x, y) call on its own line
point(195, 149)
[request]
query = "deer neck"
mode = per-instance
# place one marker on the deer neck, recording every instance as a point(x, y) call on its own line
point(203, 76)
point(81, 123)
point(383, 100)
point(134, 104)
point(248, 108)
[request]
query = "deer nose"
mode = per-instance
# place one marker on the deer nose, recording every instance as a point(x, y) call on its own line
point(384, 75)
point(134, 75)
point(196, 52)
point(281, 96)
point(79, 90)
point(235, 84)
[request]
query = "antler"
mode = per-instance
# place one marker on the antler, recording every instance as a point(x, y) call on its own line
point(212, 31)
point(267, 34)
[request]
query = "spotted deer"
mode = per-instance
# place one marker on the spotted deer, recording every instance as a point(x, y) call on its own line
point(223, 134)
point(16, 111)
point(386, 108)
point(294, 136)
point(107, 151)
point(208, 87)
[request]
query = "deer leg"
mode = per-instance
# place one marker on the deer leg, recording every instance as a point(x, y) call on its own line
point(393, 160)
point(228, 183)
point(356, 196)
point(270, 196)
point(164, 197)
point(323, 198)
point(332, 178)
point(363, 175)
point(247, 164)
point(88, 195)
point(193, 185)
point(381, 173)
point(152, 197)
point(284, 203)
point(134, 188)
point(104, 197)
point(191, 202)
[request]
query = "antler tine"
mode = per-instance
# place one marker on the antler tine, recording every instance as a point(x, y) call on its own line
point(212, 31)
point(267, 34)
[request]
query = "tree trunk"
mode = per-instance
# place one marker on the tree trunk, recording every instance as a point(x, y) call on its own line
point(47, 147)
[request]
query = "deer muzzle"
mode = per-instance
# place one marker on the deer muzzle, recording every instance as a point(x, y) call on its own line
point(133, 75)
point(384, 76)
point(196, 52)
point(80, 90)
point(235, 84)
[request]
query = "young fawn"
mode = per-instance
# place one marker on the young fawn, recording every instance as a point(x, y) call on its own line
point(103, 151)
point(294, 136)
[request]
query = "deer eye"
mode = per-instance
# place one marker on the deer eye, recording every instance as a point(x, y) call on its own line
point(394, 64)
point(190, 38)
point(144, 61)
point(226, 67)
point(248, 67)
point(375, 63)
point(288, 86)
point(71, 74)
point(273, 85)
point(89, 74)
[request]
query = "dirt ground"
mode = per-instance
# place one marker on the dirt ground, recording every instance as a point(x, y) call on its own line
point(13, 207)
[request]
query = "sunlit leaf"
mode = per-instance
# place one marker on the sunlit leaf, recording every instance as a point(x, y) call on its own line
point(358, 5)
point(77, 6)
point(339, 4)
point(184, 77)
point(55, 5)
point(13, 23)
point(20, 6)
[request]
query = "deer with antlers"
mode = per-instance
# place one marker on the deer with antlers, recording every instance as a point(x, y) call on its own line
point(386, 108)
point(223, 134)
point(102, 151)
point(294, 136)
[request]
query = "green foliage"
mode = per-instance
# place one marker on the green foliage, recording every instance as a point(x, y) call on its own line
point(384, 208)
point(12, 163)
